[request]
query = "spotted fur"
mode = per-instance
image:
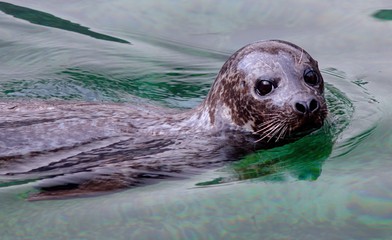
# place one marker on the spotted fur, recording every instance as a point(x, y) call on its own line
point(233, 89)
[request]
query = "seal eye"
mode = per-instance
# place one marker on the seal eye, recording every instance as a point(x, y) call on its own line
point(311, 77)
point(263, 87)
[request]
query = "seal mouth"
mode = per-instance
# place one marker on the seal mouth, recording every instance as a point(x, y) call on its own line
point(290, 136)
point(307, 130)
point(310, 123)
point(281, 128)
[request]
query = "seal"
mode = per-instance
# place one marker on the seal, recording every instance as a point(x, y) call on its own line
point(272, 88)
point(266, 94)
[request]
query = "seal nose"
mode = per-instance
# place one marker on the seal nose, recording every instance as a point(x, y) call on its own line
point(307, 107)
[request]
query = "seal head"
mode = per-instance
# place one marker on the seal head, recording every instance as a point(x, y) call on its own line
point(272, 89)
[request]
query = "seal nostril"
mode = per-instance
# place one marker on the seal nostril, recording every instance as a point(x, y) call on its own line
point(313, 105)
point(307, 107)
point(300, 107)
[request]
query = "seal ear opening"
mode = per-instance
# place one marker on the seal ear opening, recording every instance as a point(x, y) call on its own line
point(243, 84)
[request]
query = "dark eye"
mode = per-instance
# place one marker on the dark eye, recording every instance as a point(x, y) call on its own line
point(311, 77)
point(263, 87)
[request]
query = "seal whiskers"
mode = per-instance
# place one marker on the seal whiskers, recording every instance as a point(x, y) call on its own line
point(271, 129)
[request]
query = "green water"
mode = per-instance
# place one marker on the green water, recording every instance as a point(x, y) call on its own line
point(335, 184)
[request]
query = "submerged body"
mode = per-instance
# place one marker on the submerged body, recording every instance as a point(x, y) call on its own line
point(266, 94)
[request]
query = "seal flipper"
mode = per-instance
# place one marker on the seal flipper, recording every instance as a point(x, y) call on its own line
point(99, 182)
point(81, 185)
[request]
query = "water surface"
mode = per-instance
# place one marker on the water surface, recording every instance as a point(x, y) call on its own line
point(335, 184)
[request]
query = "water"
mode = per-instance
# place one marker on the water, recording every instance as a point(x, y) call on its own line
point(168, 54)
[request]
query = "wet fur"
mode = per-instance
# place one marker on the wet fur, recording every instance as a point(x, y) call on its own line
point(83, 148)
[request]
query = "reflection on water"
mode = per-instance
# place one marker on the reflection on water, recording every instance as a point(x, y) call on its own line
point(383, 14)
point(48, 20)
point(301, 160)
point(333, 184)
